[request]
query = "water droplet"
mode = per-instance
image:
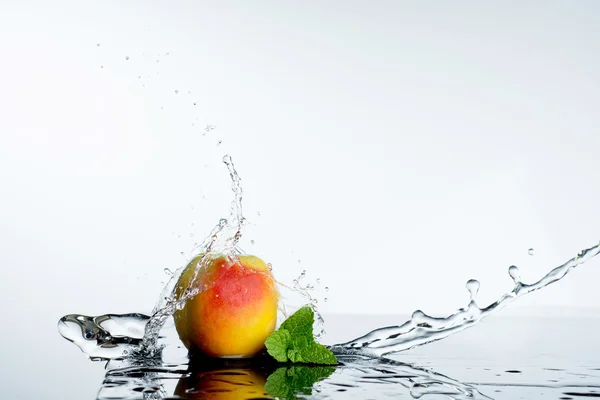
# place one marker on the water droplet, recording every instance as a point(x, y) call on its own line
point(418, 317)
point(296, 282)
point(299, 261)
point(258, 213)
point(189, 92)
point(514, 273)
point(168, 53)
point(327, 288)
point(178, 236)
point(182, 254)
point(252, 241)
point(177, 92)
point(318, 280)
point(219, 142)
point(303, 274)
point(127, 58)
point(168, 271)
point(194, 103)
point(97, 44)
point(102, 66)
point(325, 299)
point(314, 301)
point(531, 251)
point(270, 266)
point(473, 288)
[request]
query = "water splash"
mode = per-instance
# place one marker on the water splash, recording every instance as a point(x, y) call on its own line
point(514, 273)
point(109, 336)
point(422, 328)
point(106, 336)
point(306, 294)
point(222, 240)
point(112, 336)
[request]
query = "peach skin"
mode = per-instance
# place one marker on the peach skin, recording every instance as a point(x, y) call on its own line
point(235, 309)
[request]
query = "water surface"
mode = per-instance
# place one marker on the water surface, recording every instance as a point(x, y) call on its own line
point(504, 358)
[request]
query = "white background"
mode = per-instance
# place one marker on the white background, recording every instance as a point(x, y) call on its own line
point(396, 149)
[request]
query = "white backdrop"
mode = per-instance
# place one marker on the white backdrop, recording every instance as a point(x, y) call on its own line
point(392, 149)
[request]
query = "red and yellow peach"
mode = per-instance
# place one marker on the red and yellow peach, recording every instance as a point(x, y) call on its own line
point(235, 308)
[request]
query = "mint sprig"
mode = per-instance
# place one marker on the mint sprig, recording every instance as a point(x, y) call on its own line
point(294, 341)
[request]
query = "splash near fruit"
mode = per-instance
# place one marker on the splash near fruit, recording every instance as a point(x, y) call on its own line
point(235, 309)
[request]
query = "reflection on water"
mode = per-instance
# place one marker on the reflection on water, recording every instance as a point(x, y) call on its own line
point(547, 358)
point(357, 377)
point(261, 378)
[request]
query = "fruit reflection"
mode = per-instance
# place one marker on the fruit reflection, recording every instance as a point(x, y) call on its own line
point(212, 379)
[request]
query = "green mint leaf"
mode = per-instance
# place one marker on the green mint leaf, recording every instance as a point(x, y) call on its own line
point(294, 355)
point(277, 344)
point(300, 323)
point(287, 382)
point(294, 341)
point(318, 354)
point(301, 343)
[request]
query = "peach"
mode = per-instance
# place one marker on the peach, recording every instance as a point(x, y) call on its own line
point(235, 309)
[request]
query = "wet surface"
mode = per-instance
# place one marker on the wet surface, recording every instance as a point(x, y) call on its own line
point(502, 358)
